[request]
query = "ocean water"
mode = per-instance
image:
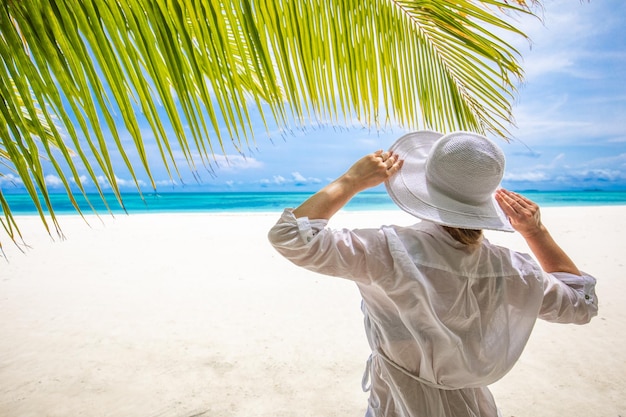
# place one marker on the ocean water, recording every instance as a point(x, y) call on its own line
point(21, 204)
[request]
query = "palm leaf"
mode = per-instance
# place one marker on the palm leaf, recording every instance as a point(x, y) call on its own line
point(104, 67)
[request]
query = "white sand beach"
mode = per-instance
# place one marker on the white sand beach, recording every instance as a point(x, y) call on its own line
point(195, 315)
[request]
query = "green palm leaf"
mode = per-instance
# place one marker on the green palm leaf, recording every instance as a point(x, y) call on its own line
point(71, 69)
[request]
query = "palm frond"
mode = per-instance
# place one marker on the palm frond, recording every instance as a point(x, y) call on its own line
point(79, 74)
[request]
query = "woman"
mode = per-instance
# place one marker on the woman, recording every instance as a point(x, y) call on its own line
point(446, 312)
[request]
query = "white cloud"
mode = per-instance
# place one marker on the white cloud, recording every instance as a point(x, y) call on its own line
point(556, 162)
point(532, 176)
point(559, 41)
point(276, 180)
point(279, 179)
point(598, 172)
point(296, 179)
point(53, 181)
point(121, 182)
point(10, 179)
point(541, 65)
point(82, 178)
point(217, 162)
point(572, 92)
point(611, 161)
point(618, 139)
point(167, 183)
point(237, 162)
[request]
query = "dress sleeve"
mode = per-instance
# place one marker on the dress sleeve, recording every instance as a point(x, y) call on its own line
point(569, 298)
point(360, 255)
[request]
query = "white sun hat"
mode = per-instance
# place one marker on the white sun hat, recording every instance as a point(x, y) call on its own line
point(449, 179)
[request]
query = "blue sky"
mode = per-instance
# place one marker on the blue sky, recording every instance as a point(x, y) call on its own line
point(570, 118)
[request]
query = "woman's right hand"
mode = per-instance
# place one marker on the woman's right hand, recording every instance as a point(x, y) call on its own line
point(367, 172)
point(372, 170)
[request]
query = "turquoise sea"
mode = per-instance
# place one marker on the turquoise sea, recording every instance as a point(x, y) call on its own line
point(189, 202)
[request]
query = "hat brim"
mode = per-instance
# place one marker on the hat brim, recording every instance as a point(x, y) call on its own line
point(409, 189)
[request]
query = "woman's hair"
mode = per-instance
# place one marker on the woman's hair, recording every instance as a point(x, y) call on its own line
point(465, 236)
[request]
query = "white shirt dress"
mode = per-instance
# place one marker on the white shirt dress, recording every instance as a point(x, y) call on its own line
point(443, 320)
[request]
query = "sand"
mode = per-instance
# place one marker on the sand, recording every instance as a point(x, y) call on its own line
point(196, 315)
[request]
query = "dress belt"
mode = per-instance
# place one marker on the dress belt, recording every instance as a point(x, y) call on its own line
point(366, 381)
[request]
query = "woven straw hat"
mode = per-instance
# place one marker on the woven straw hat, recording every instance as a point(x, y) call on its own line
point(449, 179)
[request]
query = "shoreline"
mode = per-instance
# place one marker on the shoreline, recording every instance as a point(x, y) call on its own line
point(180, 314)
point(260, 202)
point(344, 211)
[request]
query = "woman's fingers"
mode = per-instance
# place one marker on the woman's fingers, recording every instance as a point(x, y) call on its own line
point(395, 165)
point(505, 201)
point(523, 213)
point(516, 202)
point(391, 160)
point(388, 158)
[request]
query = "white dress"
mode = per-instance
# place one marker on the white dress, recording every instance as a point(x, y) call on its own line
point(443, 320)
